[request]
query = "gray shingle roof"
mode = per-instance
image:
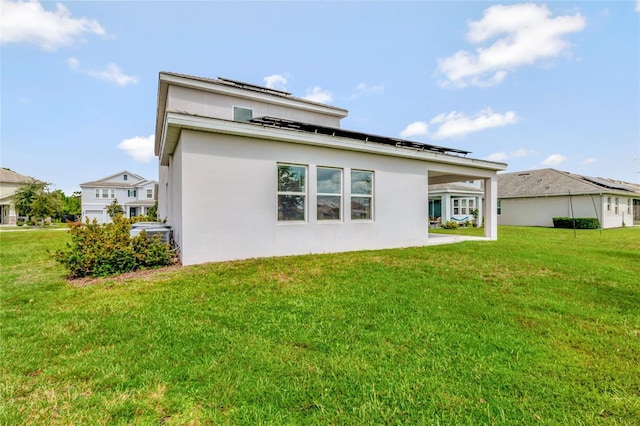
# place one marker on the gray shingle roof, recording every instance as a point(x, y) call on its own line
point(9, 176)
point(550, 182)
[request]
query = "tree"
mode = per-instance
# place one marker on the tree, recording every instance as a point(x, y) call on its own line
point(71, 205)
point(47, 204)
point(152, 213)
point(34, 200)
point(115, 209)
point(25, 195)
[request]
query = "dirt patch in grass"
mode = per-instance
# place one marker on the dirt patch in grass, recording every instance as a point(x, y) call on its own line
point(141, 274)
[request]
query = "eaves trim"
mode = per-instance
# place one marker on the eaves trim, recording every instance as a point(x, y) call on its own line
point(177, 121)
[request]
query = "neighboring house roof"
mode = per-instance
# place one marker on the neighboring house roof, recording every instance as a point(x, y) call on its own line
point(552, 182)
point(103, 181)
point(103, 184)
point(9, 176)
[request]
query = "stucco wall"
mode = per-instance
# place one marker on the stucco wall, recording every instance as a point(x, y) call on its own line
point(229, 200)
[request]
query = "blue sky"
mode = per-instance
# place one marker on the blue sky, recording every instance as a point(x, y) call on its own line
point(534, 85)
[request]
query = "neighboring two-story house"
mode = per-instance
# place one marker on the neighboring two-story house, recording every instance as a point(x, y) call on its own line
point(134, 193)
point(246, 171)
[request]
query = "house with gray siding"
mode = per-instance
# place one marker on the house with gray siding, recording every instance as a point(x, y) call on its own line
point(134, 193)
point(246, 171)
point(535, 197)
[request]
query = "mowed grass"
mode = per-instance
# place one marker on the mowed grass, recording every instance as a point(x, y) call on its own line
point(539, 327)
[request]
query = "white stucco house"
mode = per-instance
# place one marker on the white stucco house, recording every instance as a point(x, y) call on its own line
point(535, 197)
point(10, 182)
point(456, 201)
point(134, 193)
point(246, 171)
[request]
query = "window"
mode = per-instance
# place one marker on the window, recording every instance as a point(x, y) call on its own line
point(617, 205)
point(499, 206)
point(361, 195)
point(463, 206)
point(329, 193)
point(242, 114)
point(105, 193)
point(97, 193)
point(125, 177)
point(629, 206)
point(132, 193)
point(149, 193)
point(608, 204)
point(292, 192)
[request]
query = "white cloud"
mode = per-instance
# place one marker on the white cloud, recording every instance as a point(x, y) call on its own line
point(554, 160)
point(363, 89)
point(503, 156)
point(418, 128)
point(140, 148)
point(526, 33)
point(112, 73)
point(29, 22)
point(276, 81)
point(456, 124)
point(589, 160)
point(497, 156)
point(521, 152)
point(317, 94)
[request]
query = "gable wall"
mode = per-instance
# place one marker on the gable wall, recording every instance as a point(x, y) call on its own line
point(207, 104)
point(229, 200)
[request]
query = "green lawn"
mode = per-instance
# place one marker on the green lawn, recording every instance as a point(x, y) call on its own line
point(540, 327)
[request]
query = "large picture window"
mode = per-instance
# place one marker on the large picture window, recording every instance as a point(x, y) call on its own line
point(292, 192)
point(361, 195)
point(329, 192)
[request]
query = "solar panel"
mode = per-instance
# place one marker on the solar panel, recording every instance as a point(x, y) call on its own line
point(366, 137)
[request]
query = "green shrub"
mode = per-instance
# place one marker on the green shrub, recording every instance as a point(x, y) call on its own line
point(451, 224)
point(101, 250)
point(580, 222)
point(20, 223)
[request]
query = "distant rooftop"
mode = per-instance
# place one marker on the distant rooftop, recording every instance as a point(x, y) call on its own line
point(546, 182)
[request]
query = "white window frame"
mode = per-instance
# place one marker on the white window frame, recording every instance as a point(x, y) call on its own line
point(303, 193)
point(608, 204)
point(357, 195)
point(330, 194)
point(617, 205)
point(97, 193)
point(464, 205)
point(132, 193)
point(149, 193)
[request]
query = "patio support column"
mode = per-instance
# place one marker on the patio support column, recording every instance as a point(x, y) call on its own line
point(480, 208)
point(491, 208)
point(445, 207)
